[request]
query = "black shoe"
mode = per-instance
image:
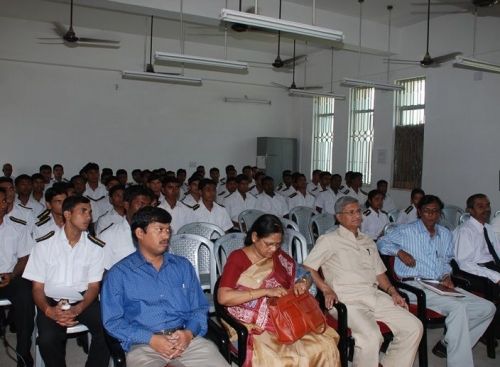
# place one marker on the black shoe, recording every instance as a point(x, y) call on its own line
point(439, 350)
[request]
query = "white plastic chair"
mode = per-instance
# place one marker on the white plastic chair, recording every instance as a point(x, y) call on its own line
point(225, 245)
point(295, 245)
point(463, 218)
point(389, 227)
point(496, 213)
point(320, 223)
point(247, 218)
point(450, 216)
point(290, 224)
point(393, 215)
point(302, 216)
point(5, 303)
point(332, 228)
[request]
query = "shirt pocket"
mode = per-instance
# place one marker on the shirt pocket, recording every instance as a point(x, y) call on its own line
point(81, 273)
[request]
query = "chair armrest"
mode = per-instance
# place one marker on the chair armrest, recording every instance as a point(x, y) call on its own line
point(476, 283)
point(460, 281)
point(240, 329)
point(342, 331)
point(116, 350)
point(219, 336)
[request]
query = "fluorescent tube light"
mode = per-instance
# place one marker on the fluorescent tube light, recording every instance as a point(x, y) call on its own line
point(198, 60)
point(469, 63)
point(245, 99)
point(306, 93)
point(158, 77)
point(301, 29)
point(347, 82)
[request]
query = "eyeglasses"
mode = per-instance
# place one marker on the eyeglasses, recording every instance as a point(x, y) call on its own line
point(431, 211)
point(351, 212)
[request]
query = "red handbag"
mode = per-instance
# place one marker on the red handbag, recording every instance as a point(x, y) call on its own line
point(295, 316)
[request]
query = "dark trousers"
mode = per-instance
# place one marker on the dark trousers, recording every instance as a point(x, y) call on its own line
point(52, 338)
point(18, 292)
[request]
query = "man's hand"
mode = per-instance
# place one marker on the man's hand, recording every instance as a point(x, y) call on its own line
point(300, 288)
point(6, 279)
point(330, 298)
point(447, 282)
point(162, 345)
point(398, 300)
point(181, 340)
point(406, 258)
point(63, 318)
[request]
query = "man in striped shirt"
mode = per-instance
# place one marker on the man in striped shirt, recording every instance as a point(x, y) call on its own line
point(423, 250)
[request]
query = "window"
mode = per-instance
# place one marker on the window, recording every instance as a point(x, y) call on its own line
point(409, 134)
point(322, 141)
point(359, 156)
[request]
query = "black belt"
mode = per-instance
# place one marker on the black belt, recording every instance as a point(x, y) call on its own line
point(169, 331)
point(415, 278)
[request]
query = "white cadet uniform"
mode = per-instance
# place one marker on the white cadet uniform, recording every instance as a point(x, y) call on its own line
point(360, 195)
point(23, 215)
point(107, 219)
point(325, 200)
point(119, 243)
point(40, 202)
point(15, 242)
point(179, 213)
point(235, 204)
point(98, 200)
point(44, 226)
point(57, 264)
point(373, 223)
point(273, 205)
point(190, 201)
point(297, 199)
point(389, 204)
point(287, 192)
point(218, 215)
point(350, 266)
point(254, 191)
point(408, 215)
point(221, 196)
point(471, 249)
point(313, 188)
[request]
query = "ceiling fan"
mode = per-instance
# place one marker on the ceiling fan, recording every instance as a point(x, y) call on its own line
point(428, 61)
point(149, 66)
point(293, 85)
point(70, 38)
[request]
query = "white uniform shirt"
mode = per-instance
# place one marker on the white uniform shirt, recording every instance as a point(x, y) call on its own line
point(273, 205)
point(190, 201)
point(389, 204)
point(287, 192)
point(359, 195)
point(98, 200)
point(57, 264)
point(218, 215)
point(23, 214)
point(297, 199)
point(254, 191)
point(105, 220)
point(408, 215)
point(44, 226)
point(179, 213)
point(471, 248)
point(313, 188)
point(373, 223)
point(221, 197)
point(235, 204)
point(15, 243)
point(38, 203)
point(325, 200)
point(119, 243)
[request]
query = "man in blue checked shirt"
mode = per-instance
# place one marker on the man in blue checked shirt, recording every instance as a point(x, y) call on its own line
point(423, 250)
point(153, 304)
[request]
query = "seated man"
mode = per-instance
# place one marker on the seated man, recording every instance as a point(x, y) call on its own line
point(227, 189)
point(53, 219)
point(66, 269)
point(410, 214)
point(389, 204)
point(239, 200)
point(15, 247)
point(423, 251)
point(177, 210)
point(355, 275)
point(116, 213)
point(153, 304)
point(269, 201)
point(301, 197)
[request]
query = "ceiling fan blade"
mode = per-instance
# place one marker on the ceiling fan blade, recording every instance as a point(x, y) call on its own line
point(292, 59)
point(401, 61)
point(447, 3)
point(49, 38)
point(90, 45)
point(280, 85)
point(445, 58)
point(311, 87)
point(97, 40)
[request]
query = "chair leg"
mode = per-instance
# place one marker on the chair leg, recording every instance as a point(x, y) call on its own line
point(491, 341)
point(422, 350)
point(83, 341)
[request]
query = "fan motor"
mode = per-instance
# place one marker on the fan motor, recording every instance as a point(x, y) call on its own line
point(484, 3)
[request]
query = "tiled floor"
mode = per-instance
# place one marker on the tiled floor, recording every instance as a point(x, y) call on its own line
point(76, 357)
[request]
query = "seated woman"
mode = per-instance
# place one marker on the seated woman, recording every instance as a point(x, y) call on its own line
point(374, 218)
point(253, 274)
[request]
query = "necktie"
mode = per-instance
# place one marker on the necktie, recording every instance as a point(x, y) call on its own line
point(491, 249)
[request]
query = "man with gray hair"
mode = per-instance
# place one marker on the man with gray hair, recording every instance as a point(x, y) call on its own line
point(355, 275)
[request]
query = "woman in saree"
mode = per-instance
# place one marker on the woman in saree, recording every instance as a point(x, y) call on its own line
point(254, 274)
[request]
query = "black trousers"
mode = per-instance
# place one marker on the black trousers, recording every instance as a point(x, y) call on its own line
point(52, 338)
point(18, 292)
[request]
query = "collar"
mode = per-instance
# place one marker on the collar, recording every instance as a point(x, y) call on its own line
point(64, 239)
point(475, 224)
point(345, 233)
point(138, 260)
point(421, 228)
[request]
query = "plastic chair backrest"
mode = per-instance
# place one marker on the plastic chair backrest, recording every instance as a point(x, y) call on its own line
point(225, 245)
point(451, 214)
point(189, 246)
point(302, 216)
point(290, 224)
point(248, 217)
point(463, 218)
point(320, 223)
point(389, 227)
point(393, 215)
point(295, 245)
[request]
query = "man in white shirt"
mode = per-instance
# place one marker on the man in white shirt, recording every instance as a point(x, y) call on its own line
point(7, 170)
point(53, 220)
point(24, 187)
point(477, 250)
point(239, 200)
point(66, 270)
point(46, 171)
point(16, 211)
point(301, 197)
point(207, 210)
point(326, 198)
point(286, 183)
point(227, 190)
point(95, 191)
point(410, 214)
point(118, 236)
point(155, 185)
point(117, 211)
point(58, 172)
point(193, 195)
point(389, 204)
point(269, 201)
point(313, 187)
point(15, 247)
point(354, 190)
point(177, 210)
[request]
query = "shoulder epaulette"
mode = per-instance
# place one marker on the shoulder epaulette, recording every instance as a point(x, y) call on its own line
point(345, 192)
point(409, 209)
point(222, 181)
point(341, 187)
point(292, 195)
point(90, 198)
point(42, 221)
point(43, 214)
point(279, 187)
point(383, 211)
point(251, 187)
point(219, 204)
point(189, 206)
point(222, 193)
point(324, 190)
point(45, 237)
point(24, 206)
point(195, 207)
point(17, 220)
point(363, 192)
point(314, 189)
point(107, 227)
point(96, 240)
point(102, 215)
point(228, 195)
point(367, 212)
point(310, 193)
